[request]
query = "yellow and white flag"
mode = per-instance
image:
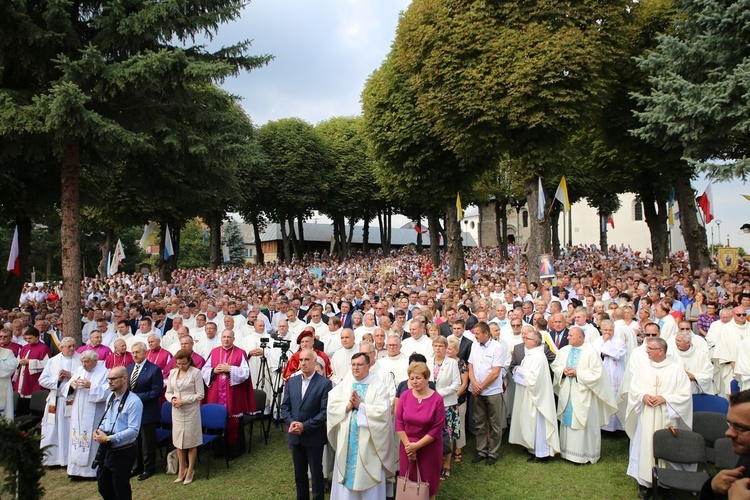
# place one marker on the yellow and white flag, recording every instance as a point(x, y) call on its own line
point(561, 194)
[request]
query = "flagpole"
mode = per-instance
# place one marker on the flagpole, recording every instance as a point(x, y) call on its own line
point(570, 227)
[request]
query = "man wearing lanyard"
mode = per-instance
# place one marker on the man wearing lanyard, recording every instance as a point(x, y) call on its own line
point(119, 430)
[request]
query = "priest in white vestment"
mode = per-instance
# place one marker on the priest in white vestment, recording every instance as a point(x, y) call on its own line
point(56, 378)
point(667, 324)
point(637, 358)
point(659, 397)
point(534, 422)
point(341, 360)
point(360, 428)
point(727, 346)
point(613, 351)
point(396, 363)
point(694, 360)
point(585, 399)
point(418, 341)
point(251, 343)
point(89, 401)
point(8, 365)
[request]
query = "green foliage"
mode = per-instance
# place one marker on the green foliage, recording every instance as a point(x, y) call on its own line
point(233, 239)
point(506, 77)
point(193, 251)
point(699, 102)
point(301, 163)
point(21, 460)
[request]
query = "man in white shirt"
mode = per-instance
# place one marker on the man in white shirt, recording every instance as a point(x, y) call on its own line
point(486, 373)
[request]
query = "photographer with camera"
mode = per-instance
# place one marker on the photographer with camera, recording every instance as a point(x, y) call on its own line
point(116, 435)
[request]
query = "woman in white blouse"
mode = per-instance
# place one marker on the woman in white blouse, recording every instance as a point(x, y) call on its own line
point(447, 378)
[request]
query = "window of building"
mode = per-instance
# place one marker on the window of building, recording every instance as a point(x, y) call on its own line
point(249, 252)
point(525, 218)
point(637, 210)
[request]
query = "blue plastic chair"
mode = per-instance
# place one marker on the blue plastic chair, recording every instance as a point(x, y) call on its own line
point(734, 387)
point(709, 402)
point(214, 422)
point(164, 433)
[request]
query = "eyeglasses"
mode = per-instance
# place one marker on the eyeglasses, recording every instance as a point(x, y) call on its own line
point(650, 334)
point(740, 315)
point(115, 378)
point(740, 429)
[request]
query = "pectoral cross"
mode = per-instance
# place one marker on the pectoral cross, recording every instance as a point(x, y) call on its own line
point(657, 384)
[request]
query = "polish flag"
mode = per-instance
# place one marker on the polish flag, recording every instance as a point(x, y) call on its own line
point(706, 202)
point(611, 221)
point(14, 259)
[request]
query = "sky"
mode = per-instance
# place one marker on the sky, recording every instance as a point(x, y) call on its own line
point(324, 51)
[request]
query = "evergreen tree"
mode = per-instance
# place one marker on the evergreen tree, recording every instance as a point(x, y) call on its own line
point(232, 238)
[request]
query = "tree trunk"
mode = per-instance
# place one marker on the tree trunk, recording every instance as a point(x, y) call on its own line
point(603, 245)
point(539, 232)
point(293, 239)
point(70, 239)
point(692, 231)
point(389, 228)
point(501, 226)
point(366, 235)
point(433, 219)
point(260, 258)
point(301, 236)
point(214, 239)
point(10, 284)
point(457, 267)
point(657, 225)
point(285, 242)
point(555, 225)
point(420, 242)
point(350, 237)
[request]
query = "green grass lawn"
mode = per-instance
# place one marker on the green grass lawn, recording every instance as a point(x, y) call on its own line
point(268, 473)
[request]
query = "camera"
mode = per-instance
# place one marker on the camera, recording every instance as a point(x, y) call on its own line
point(264, 342)
point(283, 344)
point(101, 453)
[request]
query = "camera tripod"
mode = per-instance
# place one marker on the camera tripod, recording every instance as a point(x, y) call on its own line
point(276, 384)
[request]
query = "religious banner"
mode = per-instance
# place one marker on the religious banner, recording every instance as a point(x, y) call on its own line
point(546, 269)
point(316, 271)
point(729, 258)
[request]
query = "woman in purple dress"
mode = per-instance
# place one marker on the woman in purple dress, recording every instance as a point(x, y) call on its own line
point(420, 418)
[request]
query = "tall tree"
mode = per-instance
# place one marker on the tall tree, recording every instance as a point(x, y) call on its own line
point(505, 77)
point(233, 240)
point(97, 75)
point(301, 164)
point(699, 101)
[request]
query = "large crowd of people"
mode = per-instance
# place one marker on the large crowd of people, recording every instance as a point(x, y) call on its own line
point(402, 361)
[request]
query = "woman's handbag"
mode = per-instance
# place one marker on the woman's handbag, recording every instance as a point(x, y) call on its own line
point(407, 489)
point(172, 462)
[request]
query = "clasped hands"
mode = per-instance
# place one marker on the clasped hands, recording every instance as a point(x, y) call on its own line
point(63, 374)
point(176, 402)
point(653, 400)
point(296, 428)
point(80, 382)
point(411, 451)
point(222, 368)
point(354, 402)
point(570, 372)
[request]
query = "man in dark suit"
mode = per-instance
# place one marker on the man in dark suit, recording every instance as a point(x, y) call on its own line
point(519, 352)
point(558, 331)
point(465, 343)
point(146, 382)
point(135, 319)
point(161, 322)
point(304, 413)
point(346, 314)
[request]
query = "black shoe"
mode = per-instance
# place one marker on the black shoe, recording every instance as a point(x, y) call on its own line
point(538, 460)
point(644, 493)
point(145, 476)
point(478, 458)
point(136, 472)
point(491, 461)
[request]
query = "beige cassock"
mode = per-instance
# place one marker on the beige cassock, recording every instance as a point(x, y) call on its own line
point(666, 379)
point(534, 422)
point(695, 360)
point(374, 445)
point(725, 353)
point(585, 403)
point(8, 365)
point(59, 408)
